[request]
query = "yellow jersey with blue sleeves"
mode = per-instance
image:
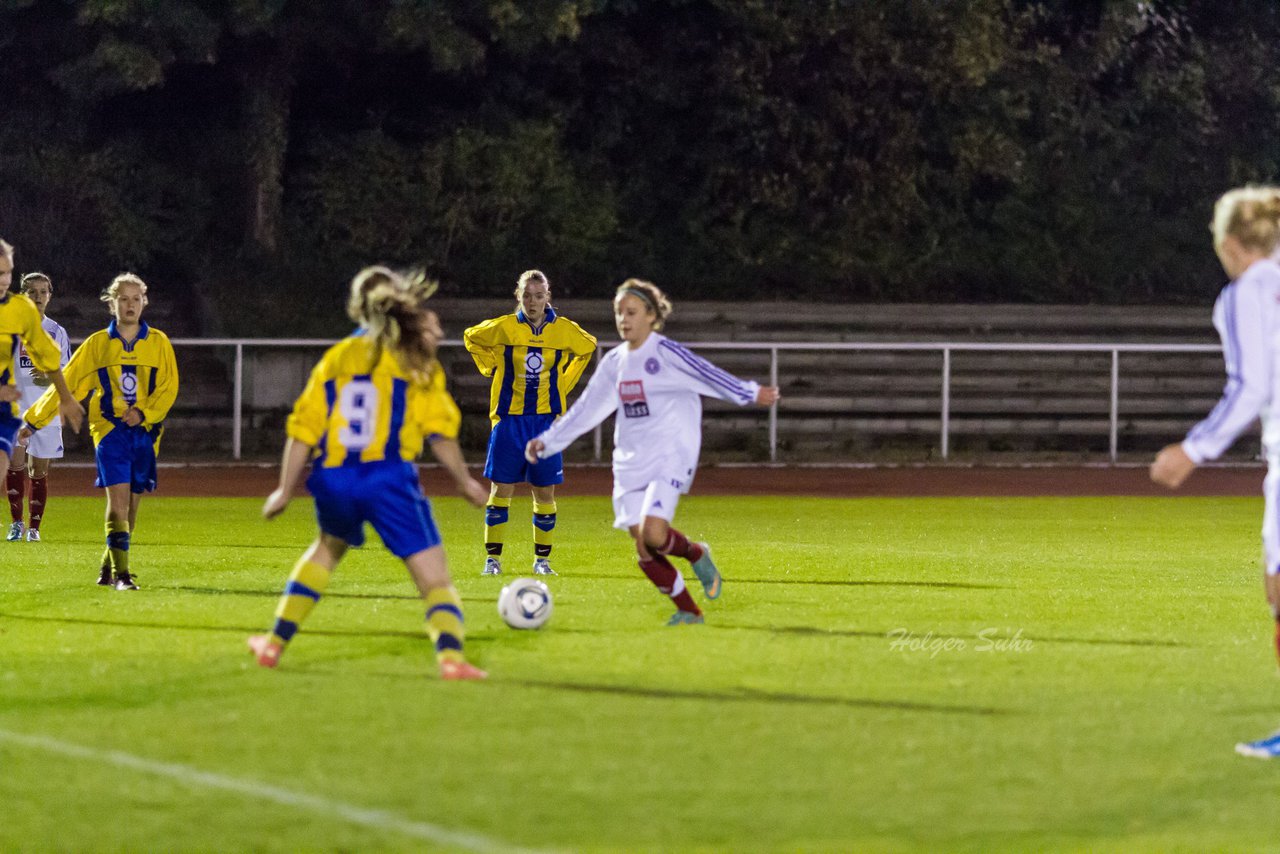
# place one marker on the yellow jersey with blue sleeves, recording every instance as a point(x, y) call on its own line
point(533, 369)
point(361, 405)
point(20, 324)
point(116, 375)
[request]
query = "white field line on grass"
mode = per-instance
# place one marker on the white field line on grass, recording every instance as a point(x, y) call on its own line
point(185, 774)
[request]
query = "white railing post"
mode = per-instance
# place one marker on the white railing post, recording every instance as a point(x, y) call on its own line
point(773, 410)
point(237, 403)
point(1115, 403)
point(946, 402)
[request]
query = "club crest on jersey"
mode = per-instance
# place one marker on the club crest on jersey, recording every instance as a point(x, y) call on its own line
point(129, 385)
point(652, 365)
point(532, 367)
point(634, 404)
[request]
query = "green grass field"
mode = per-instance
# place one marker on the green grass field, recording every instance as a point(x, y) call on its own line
point(1134, 652)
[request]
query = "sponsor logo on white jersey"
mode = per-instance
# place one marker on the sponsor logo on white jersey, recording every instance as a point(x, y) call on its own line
point(634, 404)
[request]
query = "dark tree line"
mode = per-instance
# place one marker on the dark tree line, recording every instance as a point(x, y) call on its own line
point(846, 150)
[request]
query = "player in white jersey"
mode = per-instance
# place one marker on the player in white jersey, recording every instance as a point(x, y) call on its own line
point(1246, 235)
point(655, 386)
point(28, 474)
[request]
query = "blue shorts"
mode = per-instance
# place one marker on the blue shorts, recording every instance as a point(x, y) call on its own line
point(387, 495)
point(9, 427)
point(128, 455)
point(506, 462)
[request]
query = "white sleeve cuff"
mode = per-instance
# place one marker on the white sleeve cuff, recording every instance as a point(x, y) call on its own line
point(1192, 452)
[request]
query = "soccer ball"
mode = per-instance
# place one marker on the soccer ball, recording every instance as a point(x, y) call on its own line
point(525, 604)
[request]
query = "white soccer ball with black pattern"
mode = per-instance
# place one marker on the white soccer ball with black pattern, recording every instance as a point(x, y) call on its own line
point(525, 604)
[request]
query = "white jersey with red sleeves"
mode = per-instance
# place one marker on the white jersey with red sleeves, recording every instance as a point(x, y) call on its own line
point(1247, 317)
point(656, 392)
point(25, 374)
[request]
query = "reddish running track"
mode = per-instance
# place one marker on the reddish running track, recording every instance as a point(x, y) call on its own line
point(198, 480)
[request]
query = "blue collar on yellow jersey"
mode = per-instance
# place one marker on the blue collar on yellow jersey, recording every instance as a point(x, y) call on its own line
point(113, 332)
point(550, 318)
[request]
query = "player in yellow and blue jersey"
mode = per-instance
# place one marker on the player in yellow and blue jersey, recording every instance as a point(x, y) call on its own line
point(369, 406)
point(535, 358)
point(20, 326)
point(29, 465)
point(130, 375)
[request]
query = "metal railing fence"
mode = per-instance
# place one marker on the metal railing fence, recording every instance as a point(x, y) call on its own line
point(774, 349)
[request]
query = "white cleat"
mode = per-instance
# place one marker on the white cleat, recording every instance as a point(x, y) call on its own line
point(33, 535)
point(542, 566)
point(492, 566)
point(16, 530)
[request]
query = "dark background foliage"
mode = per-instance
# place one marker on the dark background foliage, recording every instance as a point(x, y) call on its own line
point(898, 150)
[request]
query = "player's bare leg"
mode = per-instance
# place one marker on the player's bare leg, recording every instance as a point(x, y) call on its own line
point(1269, 747)
point(121, 510)
point(664, 576)
point(307, 582)
point(430, 573)
point(660, 537)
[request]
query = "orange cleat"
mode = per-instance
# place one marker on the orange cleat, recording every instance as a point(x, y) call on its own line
point(267, 653)
point(458, 670)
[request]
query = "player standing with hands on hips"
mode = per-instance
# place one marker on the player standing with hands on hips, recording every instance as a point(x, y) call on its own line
point(1246, 235)
point(535, 358)
point(21, 326)
point(361, 421)
point(655, 386)
point(30, 463)
point(131, 375)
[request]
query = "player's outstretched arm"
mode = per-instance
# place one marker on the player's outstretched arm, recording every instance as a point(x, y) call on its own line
point(68, 407)
point(292, 464)
point(1172, 466)
point(768, 395)
point(449, 454)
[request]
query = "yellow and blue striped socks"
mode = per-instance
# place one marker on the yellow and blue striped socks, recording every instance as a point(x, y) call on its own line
point(444, 623)
point(544, 522)
point(305, 587)
point(495, 524)
point(117, 553)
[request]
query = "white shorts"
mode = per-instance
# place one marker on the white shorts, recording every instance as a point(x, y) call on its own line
point(1271, 520)
point(46, 443)
point(658, 499)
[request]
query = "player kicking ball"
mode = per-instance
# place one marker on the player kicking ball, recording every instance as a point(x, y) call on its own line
point(655, 386)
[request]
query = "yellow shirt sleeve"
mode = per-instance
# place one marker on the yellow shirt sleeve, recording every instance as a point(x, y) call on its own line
point(482, 341)
point(581, 344)
point(80, 372)
point(435, 410)
point(309, 419)
point(161, 400)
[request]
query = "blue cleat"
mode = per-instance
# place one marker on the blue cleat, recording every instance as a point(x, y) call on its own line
point(707, 573)
point(685, 618)
point(1266, 748)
